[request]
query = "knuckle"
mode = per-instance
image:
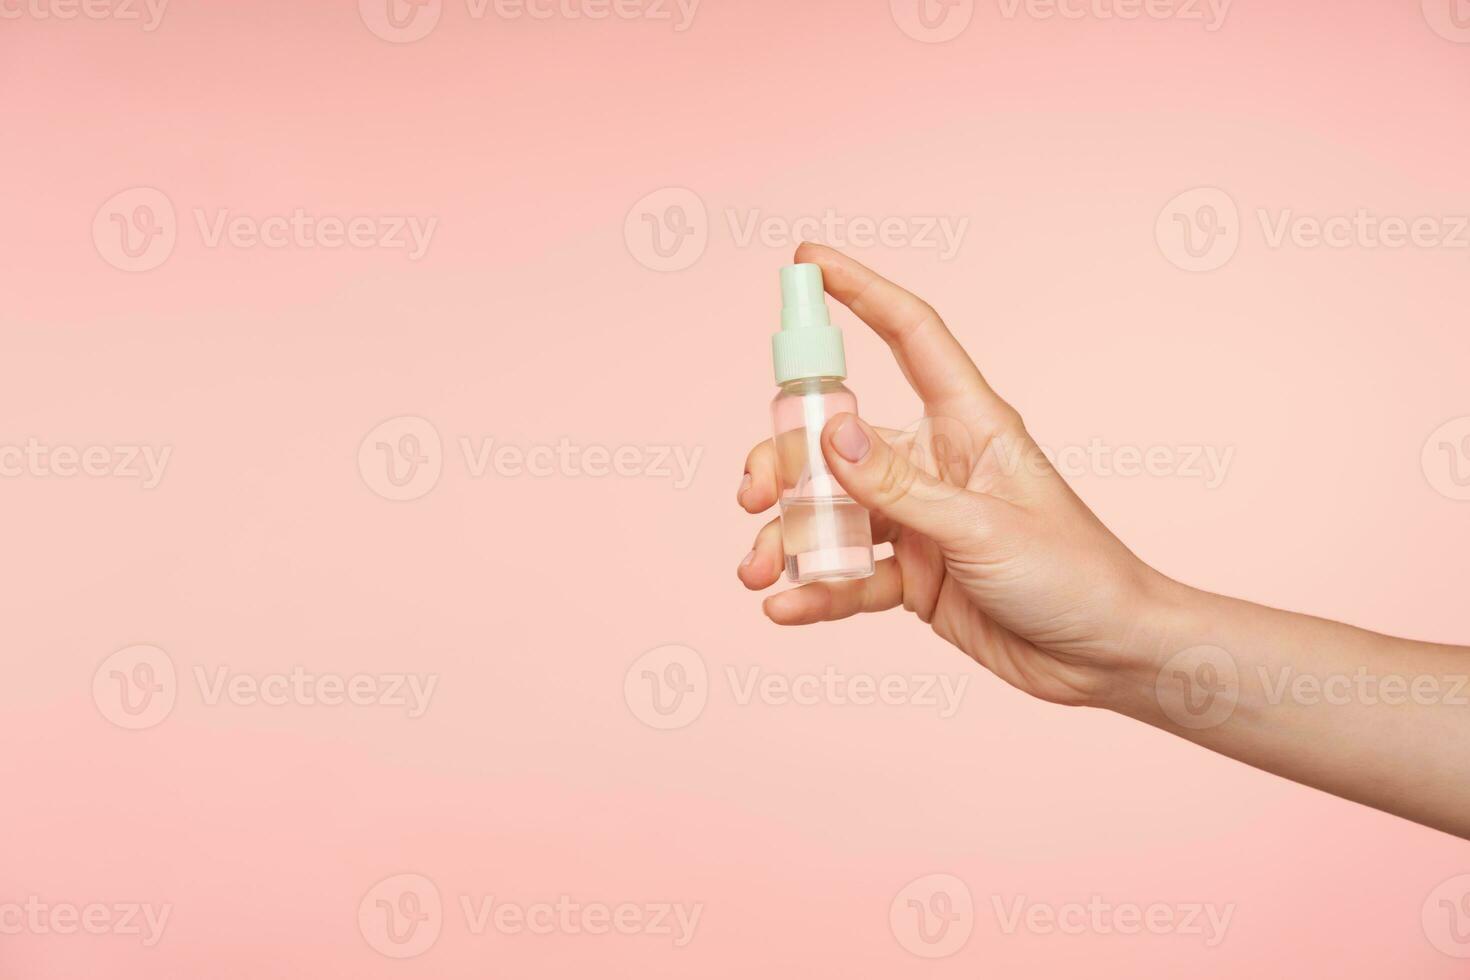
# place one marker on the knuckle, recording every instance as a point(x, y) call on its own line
point(1009, 421)
point(897, 480)
point(758, 452)
point(920, 317)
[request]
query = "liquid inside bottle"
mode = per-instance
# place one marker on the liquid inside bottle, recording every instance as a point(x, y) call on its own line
point(825, 533)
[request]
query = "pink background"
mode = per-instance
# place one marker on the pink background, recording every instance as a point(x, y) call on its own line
point(531, 319)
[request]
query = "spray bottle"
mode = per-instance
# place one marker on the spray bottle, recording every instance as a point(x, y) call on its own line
point(825, 532)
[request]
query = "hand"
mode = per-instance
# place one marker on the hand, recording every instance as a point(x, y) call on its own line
point(992, 548)
point(990, 545)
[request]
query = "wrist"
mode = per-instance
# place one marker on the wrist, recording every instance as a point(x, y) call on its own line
point(1159, 623)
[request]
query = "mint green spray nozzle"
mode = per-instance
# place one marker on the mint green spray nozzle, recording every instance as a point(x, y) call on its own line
point(808, 346)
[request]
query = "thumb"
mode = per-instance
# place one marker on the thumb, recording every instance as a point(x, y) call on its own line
point(888, 482)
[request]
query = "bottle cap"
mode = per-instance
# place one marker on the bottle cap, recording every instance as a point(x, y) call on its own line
point(808, 346)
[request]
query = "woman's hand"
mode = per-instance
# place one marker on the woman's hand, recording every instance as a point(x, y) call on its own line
point(994, 550)
point(990, 545)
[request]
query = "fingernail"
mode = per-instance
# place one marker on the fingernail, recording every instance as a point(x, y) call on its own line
point(850, 441)
point(748, 558)
point(745, 483)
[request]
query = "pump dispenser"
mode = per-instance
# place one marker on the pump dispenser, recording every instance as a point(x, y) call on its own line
point(826, 534)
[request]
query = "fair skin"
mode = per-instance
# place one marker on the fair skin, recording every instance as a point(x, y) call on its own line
point(1003, 560)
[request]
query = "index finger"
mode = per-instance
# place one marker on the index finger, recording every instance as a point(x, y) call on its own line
point(934, 362)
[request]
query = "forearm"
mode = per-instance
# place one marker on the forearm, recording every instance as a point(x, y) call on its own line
point(1371, 718)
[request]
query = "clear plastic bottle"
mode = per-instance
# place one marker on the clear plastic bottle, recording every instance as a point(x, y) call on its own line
point(825, 533)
